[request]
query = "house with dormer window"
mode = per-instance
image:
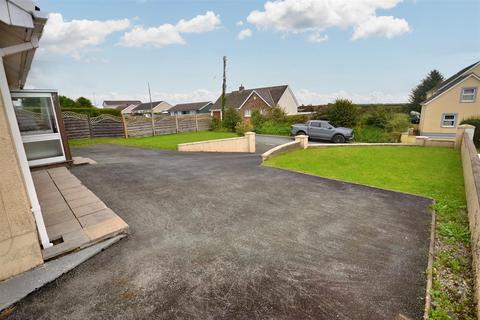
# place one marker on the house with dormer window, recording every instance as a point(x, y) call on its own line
point(454, 100)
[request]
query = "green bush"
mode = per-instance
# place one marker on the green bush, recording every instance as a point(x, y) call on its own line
point(257, 118)
point(379, 118)
point(94, 112)
point(474, 122)
point(374, 135)
point(400, 122)
point(296, 118)
point(231, 118)
point(274, 127)
point(243, 127)
point(276, 114)
point(216, 124)
point(343, 113)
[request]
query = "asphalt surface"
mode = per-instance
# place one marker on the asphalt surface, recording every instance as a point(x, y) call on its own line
point(216, 236)
point(263, 143)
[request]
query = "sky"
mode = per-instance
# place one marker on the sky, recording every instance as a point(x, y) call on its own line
point(368, 51)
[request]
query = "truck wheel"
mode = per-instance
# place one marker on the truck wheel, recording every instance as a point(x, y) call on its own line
point(338, 138)
point(300, 133)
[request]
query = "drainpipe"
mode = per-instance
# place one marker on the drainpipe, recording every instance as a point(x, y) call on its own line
point(17, 139)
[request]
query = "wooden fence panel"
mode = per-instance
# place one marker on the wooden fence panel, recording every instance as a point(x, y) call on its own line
point(186, 123)
point(81, 126)
point(106, 125)
point(204, 122)
point(165, 125)
point(138, 126)
point(76, 125)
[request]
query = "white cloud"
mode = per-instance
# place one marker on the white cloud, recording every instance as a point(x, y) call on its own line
point(313, 17)
point(240, 23)
point(169, 34)
point(200, 24)
point(317, 37)
point(77, 36)
point(387, 27)
point(306, 96)
point(244, 34)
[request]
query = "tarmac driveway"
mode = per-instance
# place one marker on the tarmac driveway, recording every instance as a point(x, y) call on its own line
point(216, 236)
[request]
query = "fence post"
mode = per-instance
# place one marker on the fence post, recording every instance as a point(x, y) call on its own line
point(196, 122)
point(125, 126)
point(89, 126)
point(153, 124)
point(176, 123)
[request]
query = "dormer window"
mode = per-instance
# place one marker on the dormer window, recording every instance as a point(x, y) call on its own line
point(468, 95)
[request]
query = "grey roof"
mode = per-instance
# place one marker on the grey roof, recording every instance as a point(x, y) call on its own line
point(147, 106)
point(450, 82)
point(236, 98)
point(189, 106)
point(119, 102)
point(448, 86)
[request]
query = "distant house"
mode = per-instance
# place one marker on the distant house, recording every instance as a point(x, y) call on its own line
point(129, 108)
point(248, 100)
point(119, 104)
point(191, 108)
point(450, 102)
point(157, 106)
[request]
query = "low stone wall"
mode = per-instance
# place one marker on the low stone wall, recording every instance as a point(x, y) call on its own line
point(301, 142)
point(241, 144)
point(471, 174)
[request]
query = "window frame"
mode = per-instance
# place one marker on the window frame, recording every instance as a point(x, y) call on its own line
point(442, 120)
point(475, 90)
point(247, 113)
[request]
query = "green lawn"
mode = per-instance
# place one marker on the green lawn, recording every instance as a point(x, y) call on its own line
point(431, 172)
point(165, 142)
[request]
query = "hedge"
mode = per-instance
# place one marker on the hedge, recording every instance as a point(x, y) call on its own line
point(94, 112)
point(474, 122)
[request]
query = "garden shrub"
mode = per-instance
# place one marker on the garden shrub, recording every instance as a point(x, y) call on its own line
point(297, 118)
point(399, 122)
point(474, 122)
point(243, 127)
point(276, 114)
point(231, 118)
point(375, 135)
point(257, 118)
point(379, 117)
point(94, 112)
point(216, 124)
point(343, 113)
point(274, 127)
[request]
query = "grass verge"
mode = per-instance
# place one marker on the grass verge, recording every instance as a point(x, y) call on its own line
point(165, 142)
point(431, 172)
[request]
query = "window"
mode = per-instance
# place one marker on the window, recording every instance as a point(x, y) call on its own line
point(449, 120)
point(248, 113)
point(315, 124)
point(468, 95)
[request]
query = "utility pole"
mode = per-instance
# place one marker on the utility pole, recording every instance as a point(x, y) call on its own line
point(224, 85)
point(151, 109)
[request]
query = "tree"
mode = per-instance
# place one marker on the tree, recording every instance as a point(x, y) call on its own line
point(66, 102)
point(231, 118)
point(343, 113)
point(83, 102)
point(419, 93)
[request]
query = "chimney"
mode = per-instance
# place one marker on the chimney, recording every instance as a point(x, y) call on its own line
point(241, 88)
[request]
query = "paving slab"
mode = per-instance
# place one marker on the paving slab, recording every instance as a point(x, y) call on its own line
point(68, 207)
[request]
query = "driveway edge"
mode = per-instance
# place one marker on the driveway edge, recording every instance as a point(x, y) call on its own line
point(431, 255)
